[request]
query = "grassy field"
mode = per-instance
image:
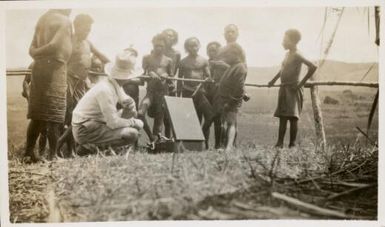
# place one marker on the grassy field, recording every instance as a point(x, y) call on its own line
point(202, 185)
point(256, 122)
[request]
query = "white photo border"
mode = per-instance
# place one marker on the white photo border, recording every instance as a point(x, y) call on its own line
point(4, 193)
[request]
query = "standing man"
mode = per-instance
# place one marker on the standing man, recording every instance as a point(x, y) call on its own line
point(78, 66)
point(231, 34)
point(157, 66)
point(50, 49)
point(25, 94)
point(171, 37)
point(194, 66)
point(80, 62)
point(171, 40)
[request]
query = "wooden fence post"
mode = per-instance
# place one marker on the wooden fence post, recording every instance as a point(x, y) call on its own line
point(318, 119)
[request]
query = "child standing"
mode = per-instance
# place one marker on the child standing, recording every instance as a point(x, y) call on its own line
point(290, 96)
point(217, 69)
point(231, 90)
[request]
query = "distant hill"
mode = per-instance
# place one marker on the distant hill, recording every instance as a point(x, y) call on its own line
point(330, 71)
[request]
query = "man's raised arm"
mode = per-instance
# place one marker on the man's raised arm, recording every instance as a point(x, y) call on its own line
point(99, 54)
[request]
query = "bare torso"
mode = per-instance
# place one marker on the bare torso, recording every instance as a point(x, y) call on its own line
point(80, 60)
point(56, 28)
point(193, 68)
point(175, 57)
point(161, 65)
point(291, 68)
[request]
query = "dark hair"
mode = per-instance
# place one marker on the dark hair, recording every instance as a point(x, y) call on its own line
point(159, 38)
point(231, 25)
point(173, 32)
point(132, 50)
point(294, 35)
point(214, 43)
point(83, 19)
point(233, 49)
point(190, 40)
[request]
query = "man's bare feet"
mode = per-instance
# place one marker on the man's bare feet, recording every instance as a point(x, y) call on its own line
point(29, 159)
point(279, 145)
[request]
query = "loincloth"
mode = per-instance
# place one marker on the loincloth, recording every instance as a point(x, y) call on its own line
point(290, 102)
point(220, 102)
point(47, 100)
point(157, 104)
point(75, 91)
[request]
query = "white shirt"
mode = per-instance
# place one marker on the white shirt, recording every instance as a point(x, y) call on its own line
point(99, 104)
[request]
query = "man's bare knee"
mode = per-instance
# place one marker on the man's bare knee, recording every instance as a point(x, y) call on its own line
point(131, 134)
point(231, 118)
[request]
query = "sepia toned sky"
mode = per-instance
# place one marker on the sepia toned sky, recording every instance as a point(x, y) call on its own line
point(261, 31)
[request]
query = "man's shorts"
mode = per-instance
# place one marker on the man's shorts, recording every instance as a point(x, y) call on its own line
point(220, 102)
point(95, 132)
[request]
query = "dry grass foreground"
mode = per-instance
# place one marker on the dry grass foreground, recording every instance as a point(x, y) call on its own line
point(198, 185)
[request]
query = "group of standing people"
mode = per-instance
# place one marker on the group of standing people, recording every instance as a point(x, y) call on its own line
point(110, 112)
point(214, 100)
point(62, 57)
point(164, 62)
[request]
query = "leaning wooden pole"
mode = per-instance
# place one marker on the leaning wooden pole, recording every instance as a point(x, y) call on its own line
point(318, 119)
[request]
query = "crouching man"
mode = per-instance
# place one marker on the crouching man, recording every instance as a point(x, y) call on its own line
point(96, 119)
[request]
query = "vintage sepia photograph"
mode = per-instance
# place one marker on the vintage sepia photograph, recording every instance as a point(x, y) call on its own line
point(192, 112)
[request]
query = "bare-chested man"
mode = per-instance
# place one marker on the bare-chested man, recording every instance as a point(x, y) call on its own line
point(81, 59)
point(195, 66)
point(78, 66)
point(171, 40)
point(50, 49)
point(231, 34)
point(156, 65)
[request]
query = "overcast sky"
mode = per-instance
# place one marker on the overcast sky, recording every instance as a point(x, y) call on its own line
point(261, 31)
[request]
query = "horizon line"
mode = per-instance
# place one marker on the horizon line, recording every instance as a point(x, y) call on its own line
point(261, 66)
